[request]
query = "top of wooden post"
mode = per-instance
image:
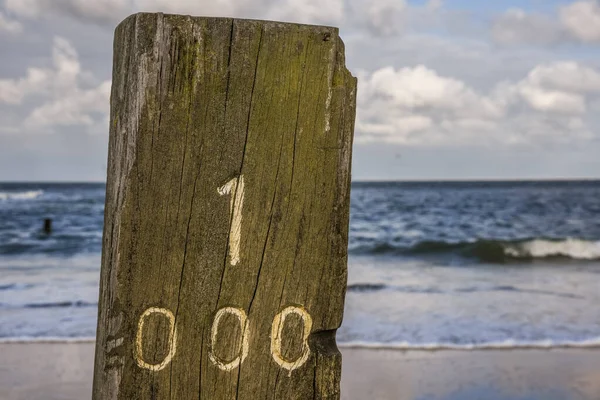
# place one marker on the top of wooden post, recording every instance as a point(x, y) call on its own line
point(226, 19)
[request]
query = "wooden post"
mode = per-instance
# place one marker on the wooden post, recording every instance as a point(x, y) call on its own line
point(224, 256)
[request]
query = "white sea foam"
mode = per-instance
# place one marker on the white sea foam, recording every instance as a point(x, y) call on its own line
point(506, 344)
point(29, 195)
point(511, 344)
point(540, 248)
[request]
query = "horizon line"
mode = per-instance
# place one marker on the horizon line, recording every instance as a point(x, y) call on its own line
point(374, 180)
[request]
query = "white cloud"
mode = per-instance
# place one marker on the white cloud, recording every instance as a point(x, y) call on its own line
point(423, 88)
point(562, 87)
point(73, 109)
point(303, 11)
point(594, 106)
point(399, 105)
point(110, 12)
point(582, 20)
point(307, 11)
point(98, 11)
point(578, 22)
point(516, 26)
point(552, 100)
point(8, 25)
point(568, 76)
point(65, 101)
point(419, 106)
point(13, 91)
point(60, 78)
point(394, 17)
point(66, 64)
point(385, 17)
point(434, 5)
point(192, 7)
point(380, 17)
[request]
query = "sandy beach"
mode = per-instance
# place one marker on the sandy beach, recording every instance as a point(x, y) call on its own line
point(53, 371)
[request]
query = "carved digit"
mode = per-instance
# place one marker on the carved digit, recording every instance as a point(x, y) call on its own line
point(139, 356)
point(244, 327)
point(235, 188)
point(277, 330)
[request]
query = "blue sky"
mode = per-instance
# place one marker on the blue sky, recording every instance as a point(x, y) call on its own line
point(447, 89)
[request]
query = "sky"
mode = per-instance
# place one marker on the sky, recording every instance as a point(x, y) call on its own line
point(447, 89)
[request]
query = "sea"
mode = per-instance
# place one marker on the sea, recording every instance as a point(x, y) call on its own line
point(432, 265)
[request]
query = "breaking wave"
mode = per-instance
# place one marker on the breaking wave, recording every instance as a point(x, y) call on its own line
point(61, 304)
point(28, 195)
point(496, 251)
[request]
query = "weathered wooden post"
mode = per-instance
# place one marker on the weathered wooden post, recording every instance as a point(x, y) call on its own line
point(226, 222)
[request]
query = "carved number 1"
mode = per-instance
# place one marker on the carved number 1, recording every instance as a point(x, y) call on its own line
point(235, 188)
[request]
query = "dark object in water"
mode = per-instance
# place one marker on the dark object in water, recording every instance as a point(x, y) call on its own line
point(47, 226)
point(366, 287)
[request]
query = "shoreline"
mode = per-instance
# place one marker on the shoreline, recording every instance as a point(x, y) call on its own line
point(547, 344)
point(63, 370)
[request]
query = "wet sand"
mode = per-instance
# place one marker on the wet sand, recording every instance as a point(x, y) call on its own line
point(52, 371)
point(559, 374)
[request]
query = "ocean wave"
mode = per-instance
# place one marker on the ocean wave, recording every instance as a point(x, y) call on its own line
point(61, 304)
point(376, 287)
point(366, 287)
point(16, 286)
point(28, 195)
point(496, 251)
point(501, 345)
